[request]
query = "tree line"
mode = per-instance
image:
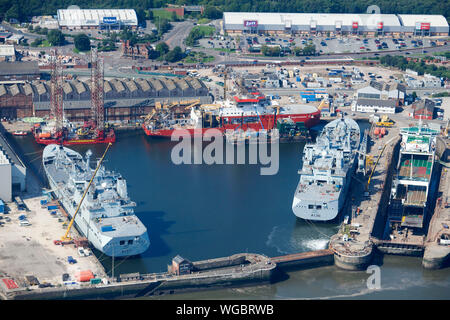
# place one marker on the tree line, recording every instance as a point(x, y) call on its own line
point(419, 66)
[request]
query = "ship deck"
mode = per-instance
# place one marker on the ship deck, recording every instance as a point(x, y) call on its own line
point(415, 169)
point(317, 193)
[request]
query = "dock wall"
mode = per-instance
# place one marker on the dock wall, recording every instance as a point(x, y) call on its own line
point(304, 260)
point(233, 260)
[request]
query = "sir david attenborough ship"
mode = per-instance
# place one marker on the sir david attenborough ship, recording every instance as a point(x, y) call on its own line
point(326, 173)
point(106, 217)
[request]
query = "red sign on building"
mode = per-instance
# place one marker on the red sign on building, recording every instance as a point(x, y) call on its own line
point(380, 25)
point(425, 26)
point(250, 23)
point(355, 25)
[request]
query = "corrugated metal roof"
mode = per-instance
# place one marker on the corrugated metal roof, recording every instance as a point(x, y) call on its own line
point(19, 67)
point(131, 85)
point(118, 85)
point(169, 84)
point(14, 89)
point(40, 88)
point(27, 89)
point(182, 84)
point(145, 86)
point(79, 86)
point(106, 86)
point(195, 83)
point(157, 84)
point(67, 88)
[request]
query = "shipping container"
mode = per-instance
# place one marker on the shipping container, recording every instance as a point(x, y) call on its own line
point(84, 276)
point(107, 228)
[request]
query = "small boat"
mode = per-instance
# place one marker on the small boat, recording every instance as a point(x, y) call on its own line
point(20, 133)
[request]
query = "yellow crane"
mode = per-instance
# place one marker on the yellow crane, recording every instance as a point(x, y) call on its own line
point(385, 122)
point(66, 235)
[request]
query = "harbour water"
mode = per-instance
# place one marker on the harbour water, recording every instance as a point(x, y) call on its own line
point(207, 211)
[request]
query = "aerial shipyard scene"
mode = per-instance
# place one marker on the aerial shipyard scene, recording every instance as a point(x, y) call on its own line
point(224, 150)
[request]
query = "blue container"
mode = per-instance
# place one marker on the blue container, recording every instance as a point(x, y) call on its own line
point(107, 228)
point(52, 208)
point(43, 202)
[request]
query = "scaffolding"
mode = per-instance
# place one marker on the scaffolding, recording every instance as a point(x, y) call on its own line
point(56, 98)
point(97, 100)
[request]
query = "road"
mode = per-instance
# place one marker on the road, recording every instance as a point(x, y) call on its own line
point(175, 37)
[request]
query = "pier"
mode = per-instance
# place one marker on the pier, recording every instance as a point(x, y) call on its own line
point(353, 245)
point(437, 253)
point(305, 259)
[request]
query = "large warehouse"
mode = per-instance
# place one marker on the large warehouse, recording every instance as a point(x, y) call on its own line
point(75, 18)
point(124, 99)
point(307, 23)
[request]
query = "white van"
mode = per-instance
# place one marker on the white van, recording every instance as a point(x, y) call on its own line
point(24, 223)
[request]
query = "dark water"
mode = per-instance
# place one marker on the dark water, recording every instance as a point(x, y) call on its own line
point(206, 211)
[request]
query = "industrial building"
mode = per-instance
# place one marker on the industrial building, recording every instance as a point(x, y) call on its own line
point(7, 52)
point(76, 18)
point(313, 23)
point(424, 109)
point(19, 71)
point(124, 99)
point(374, 105)
point(383, 91)
point(12, 171)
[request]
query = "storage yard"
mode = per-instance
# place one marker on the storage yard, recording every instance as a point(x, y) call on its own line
point(29, 249)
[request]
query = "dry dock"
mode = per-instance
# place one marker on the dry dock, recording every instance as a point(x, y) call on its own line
point(353, 245)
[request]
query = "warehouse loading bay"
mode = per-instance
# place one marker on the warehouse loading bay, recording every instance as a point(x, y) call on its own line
point(28, 252)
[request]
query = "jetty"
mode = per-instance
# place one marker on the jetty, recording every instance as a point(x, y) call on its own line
point(353, 245)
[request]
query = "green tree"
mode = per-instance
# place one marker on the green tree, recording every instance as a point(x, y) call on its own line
point(56, 38)
point(212, 13)
point(174, 55)
point(82, 42)
point(162, 48)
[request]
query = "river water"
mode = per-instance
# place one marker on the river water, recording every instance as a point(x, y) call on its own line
point(206, 211)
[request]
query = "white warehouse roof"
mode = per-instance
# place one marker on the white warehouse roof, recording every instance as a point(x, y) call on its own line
point(410, 20)
point(94, 17)
point(324, 21)
point(7, 50)
point(271, 18)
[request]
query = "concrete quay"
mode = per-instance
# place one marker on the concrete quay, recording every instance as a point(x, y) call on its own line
point(437, 254)
point(236, 270)
point(353, 245)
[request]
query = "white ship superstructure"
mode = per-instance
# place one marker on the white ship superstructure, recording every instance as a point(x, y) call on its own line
point(106, 217)
point(326, 172)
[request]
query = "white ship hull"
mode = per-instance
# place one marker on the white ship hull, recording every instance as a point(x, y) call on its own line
point(108, 245)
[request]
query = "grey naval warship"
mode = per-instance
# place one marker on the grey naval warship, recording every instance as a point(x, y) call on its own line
point(326, 172)
point(106, 217)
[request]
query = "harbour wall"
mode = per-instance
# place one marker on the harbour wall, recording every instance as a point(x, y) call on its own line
point(304, 260)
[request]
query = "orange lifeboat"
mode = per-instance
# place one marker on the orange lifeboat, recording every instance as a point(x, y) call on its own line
point(45, 135)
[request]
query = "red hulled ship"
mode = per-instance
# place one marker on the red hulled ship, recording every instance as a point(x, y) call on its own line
point(253, 112)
